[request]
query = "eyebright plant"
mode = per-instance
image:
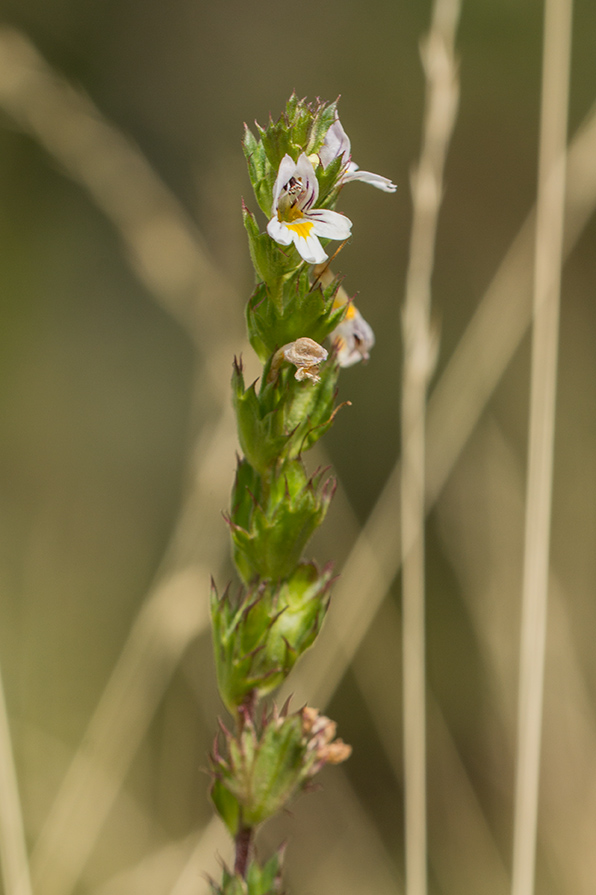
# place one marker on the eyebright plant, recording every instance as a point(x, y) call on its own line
point(298, 166)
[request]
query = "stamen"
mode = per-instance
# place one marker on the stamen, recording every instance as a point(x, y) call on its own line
point(293, 186)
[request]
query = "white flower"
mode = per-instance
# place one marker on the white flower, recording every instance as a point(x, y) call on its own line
point(294, 219)
point(353, 337)
point(336, 144)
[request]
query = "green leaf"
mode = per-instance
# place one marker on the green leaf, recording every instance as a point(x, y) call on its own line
point(226, 806)
point(258, 638)
point(265, 880)
point(276, 770)
point(271, 528)
point(323, 117)
point(329, 185)
point(259, 428)
point(277, 142)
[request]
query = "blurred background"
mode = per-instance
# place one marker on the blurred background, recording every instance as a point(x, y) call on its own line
point(123, 274)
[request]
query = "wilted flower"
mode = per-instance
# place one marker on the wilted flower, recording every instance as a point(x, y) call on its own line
point(322, 746)
point(353, 338)
point(294, 219)
point(336, 144)
point(305, 354)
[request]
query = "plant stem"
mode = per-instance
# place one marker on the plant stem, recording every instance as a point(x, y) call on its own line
point(547, 285)
point(243, 843)
point(419, 359)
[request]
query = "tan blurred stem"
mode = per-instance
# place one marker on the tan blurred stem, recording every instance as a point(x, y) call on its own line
point(13, 850)
point(419, 360)
point(495, 477)
point(545, 337)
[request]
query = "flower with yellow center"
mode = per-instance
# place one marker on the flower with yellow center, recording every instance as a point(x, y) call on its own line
point(294, 219)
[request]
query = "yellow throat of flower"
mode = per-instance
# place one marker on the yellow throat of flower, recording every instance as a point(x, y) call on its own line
point(340, 302)
point(301, 228)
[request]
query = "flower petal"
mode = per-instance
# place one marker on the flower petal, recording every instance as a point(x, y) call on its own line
point(279, 232)
point(353, 338)
point(305, 239)
point(336, 143)
point(287, 169)
point(310, 184)
point(381, 183)
point(330, 224)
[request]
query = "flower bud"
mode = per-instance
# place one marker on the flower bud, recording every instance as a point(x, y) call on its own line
point(258, 638)
point(284, 309)
point(265, 880)
point(284, 419)
point(270, 526)
point(263, 772)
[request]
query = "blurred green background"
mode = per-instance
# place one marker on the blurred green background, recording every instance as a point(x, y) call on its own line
point(109, 415)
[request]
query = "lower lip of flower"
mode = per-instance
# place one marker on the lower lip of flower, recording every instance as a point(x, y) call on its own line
point(301, 228)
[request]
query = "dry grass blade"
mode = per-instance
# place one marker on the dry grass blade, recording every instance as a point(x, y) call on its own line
point(547, 284)
point(13, 849)
point(472, 855)
point(419, 360)
point(493, 478)
point(466, 850)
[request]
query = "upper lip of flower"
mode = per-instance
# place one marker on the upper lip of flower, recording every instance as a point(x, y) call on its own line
point(294, 219)
point(297, 181)
point(336, 144)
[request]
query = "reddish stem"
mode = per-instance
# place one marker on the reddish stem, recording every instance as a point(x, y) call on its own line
point(243, 847)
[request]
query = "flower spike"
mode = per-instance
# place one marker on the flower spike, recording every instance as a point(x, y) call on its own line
point(294, 219)
point(303, 326)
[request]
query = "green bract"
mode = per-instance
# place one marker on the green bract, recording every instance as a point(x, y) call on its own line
point(260, 771)
point(259, 636)
point(303, 310)
point(272, 522)
point(264, 880)
point(284, 418)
